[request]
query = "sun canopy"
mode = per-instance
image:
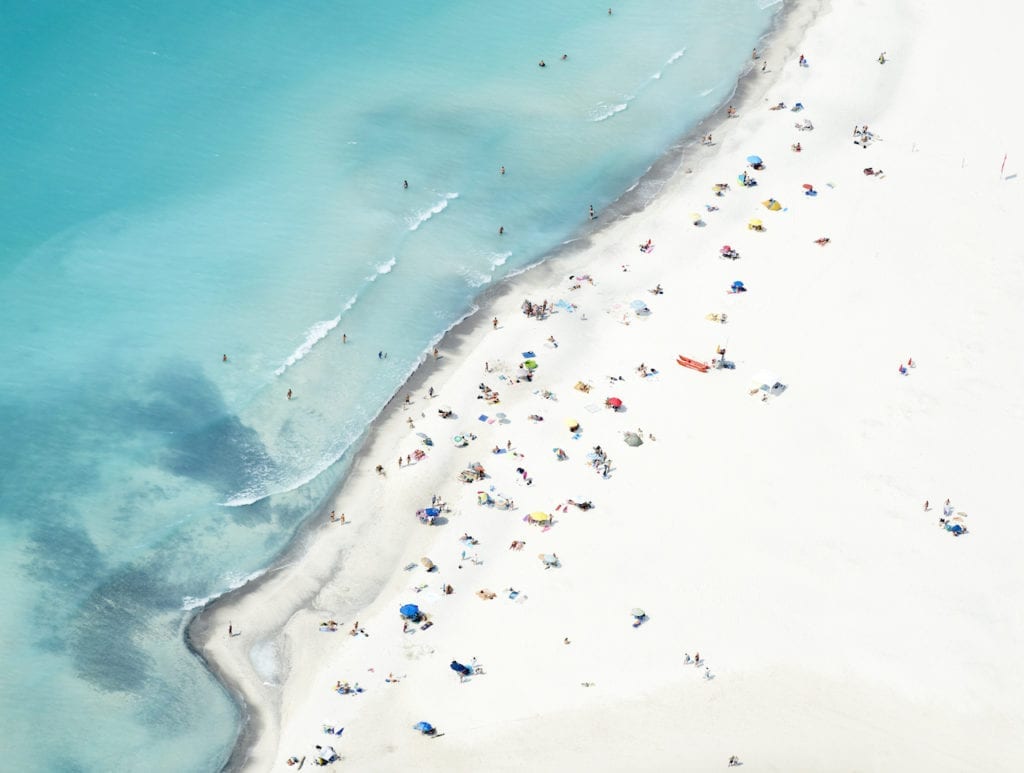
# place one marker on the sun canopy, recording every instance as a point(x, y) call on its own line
point(764, 379)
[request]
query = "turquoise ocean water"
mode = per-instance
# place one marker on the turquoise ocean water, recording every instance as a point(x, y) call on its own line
point(183, 180)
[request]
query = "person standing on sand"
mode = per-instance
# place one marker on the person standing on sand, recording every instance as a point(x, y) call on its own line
point(231, 629)
point(494, 323)
point(926, 508)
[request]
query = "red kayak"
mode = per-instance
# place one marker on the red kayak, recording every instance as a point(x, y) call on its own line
point(686, 362)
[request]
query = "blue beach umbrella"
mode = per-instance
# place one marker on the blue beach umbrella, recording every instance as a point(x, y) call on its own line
point(409, 610)
point(423, 727)
point(638, 304)
point(754, 160)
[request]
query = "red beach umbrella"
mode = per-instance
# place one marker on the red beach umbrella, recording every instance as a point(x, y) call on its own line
point(808, 187)
point(614, 402)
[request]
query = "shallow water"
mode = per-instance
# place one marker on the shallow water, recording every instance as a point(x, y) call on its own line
point(187, 180)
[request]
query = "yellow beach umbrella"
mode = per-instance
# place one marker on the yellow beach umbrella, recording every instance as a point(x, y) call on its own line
point(755, 222)
point(539, 517)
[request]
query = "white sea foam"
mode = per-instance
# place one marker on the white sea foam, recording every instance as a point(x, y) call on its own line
point(499, 258)
point(385, 268)
point(678, 54)
point(421, 217)
point(231, 582)
point(656, 76)
point(314, 335)
point(474, 278)
point(603, 111)
point(706, 92)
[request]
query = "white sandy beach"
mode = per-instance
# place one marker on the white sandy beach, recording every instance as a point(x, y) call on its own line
point(783, 539)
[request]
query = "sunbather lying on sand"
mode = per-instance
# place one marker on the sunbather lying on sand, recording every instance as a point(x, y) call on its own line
point(486, 594)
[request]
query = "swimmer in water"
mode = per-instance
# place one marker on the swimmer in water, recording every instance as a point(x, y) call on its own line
point(501, 230)
point(541, 63)
point(502, 170)
point(564, 57)
point(405, 184)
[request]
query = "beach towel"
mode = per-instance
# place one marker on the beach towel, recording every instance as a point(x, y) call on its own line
point(528, 355)
point(483, 417)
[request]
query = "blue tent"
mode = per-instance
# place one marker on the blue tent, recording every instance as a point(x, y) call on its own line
point(409, 610)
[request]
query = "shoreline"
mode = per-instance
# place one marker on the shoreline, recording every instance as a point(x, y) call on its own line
point(785, 33)
point(789, 26)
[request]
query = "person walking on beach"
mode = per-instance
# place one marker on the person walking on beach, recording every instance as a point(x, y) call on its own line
point(231, 629)
point(494, 323)
point(707, 673)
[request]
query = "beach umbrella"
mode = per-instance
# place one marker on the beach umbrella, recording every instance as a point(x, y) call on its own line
point(808, 187)
point(427, 563)
point(409, 610)
point(423, 727)
point(633, 439)
point(549, 558)
point(637, 612)
point(572, 424)
point(614, 402)
point(540, 517)
point(530, 364)
point(755, 222)
point(695, 217)
point(754, 160)
point(737, 283)
point(726, 248)
point(638, 304)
